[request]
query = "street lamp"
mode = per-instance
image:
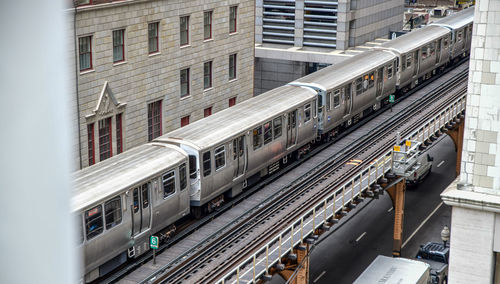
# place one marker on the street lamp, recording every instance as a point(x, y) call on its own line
point(445, 235)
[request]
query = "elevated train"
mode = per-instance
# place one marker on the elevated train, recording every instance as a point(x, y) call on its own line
point(120, 202)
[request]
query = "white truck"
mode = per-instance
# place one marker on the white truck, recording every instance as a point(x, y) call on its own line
point(388, 270)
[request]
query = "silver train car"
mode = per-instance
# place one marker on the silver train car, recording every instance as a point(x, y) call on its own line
point(235, 146)
point(120, 202)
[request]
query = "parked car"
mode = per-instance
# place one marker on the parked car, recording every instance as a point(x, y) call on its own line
point(421, 169)
point(436, 255)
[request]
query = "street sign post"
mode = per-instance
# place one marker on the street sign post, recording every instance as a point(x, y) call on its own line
point(153, 244)
point(391, 100)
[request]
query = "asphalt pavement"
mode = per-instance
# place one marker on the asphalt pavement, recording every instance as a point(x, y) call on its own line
point(341, 254)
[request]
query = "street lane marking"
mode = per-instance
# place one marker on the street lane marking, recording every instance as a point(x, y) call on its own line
point(422, 224)
point(390, 209)
point(317, 278)
point(439, 165)
point(360, 237)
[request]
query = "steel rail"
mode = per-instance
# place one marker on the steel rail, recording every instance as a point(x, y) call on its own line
point(255, 218)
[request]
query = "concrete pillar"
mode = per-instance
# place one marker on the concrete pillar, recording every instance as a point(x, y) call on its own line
point(343, 19)
point(299, 23)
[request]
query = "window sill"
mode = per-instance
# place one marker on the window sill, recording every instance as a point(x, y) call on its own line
point(119, 63)
point(233, 33)
point(185, 97)
point(232, 80)
point(185, 46)
point(208, 89)
point(208, 39)
point(87, 71)
point(154, 54)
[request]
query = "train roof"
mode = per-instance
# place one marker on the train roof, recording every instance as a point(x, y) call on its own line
point(108, 178)
point(345, 71)
point(232, 121)
point(456, 20)
point(415, 39)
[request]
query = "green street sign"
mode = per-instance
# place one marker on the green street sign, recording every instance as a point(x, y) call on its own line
point(153, 242)
point(391, 98)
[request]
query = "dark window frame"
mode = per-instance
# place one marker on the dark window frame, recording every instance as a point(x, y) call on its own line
point(207, 25)
point(119, 133)
point(268, 132)
point(91, 143)
point(182, 176)
point(307, 112)
point(207, 76)
point(220, 157)
point(207, 112)
point(277, 127)
point(232, 101)
point(168, 182)
point(336, 98)
point(118, 46)
point(154, 120)
point(207, 163)
point(185, 120)
point(233, 19)
point(105, 139)
point(92, 232)
point(257, 137)
point(153, 38)
point(185, 30)
point(233, 59)
point(83, 54)
point(184, 79)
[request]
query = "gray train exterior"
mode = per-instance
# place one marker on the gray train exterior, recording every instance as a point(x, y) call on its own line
point(123, 200)
point(229, 147)
point(120, 202)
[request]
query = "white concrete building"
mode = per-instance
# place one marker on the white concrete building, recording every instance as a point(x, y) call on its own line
point(475, 195)
point(145, 67)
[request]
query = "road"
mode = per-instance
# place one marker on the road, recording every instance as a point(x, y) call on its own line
point(349, 247)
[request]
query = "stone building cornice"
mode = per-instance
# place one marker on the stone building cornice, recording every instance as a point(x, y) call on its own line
point(467, 196)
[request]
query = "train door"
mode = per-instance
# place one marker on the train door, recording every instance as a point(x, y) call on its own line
point(416, 64)
point(348, 100)
point(141, 209)
point(438, 51)
point(291, 132)
point(380, 81)
point(239, 156)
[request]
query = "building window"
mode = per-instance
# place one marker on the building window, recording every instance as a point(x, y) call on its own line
point(118, 46)
point(207, 25)
point(105, 150)
point(119, 134)
point(184, 121)
point(153, 37)
point(184, 30)
point(90, 139)
point(154, 120)
point(207, 112)
point(184, 82)
point(233, 14)
point(85, 51)
point(207, 75)
point(232, 66)
point(84, 2)
point(232, 101)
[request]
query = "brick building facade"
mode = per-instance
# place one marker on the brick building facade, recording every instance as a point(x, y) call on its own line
point(144, 68)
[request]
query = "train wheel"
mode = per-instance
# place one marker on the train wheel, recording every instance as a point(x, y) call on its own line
point(197, 212)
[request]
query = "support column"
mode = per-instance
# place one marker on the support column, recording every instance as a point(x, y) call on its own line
point(457, 135)
point(297, 272)
point(397, 194)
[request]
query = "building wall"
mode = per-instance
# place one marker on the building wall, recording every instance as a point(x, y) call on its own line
point(481, 158)
point(471, 246)
point(273, 73)
point(145, 78)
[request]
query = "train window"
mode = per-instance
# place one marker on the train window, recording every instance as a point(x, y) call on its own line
point(145, 195)
point(459, 36)
point(207, 169)
point(220, 157)
point(408, 60)
point(365, 82)
point(113, 212)
point(192, 166)
point(307, 112)
point(277, 127)
point(432, 48)
point(182, 176)
point(328, 101)
point(93, 222)
point(314, 109)
point(336, 99)
point(168, 184)
point(424, 52)
point(371, 80)
point(257, 137)
point(268, 133)
point(136, 200)
point(403, 60)
point(389, 71)
point(359, 86)
point(445, 42)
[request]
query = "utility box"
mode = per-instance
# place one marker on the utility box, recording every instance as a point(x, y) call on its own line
point(390, 270)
